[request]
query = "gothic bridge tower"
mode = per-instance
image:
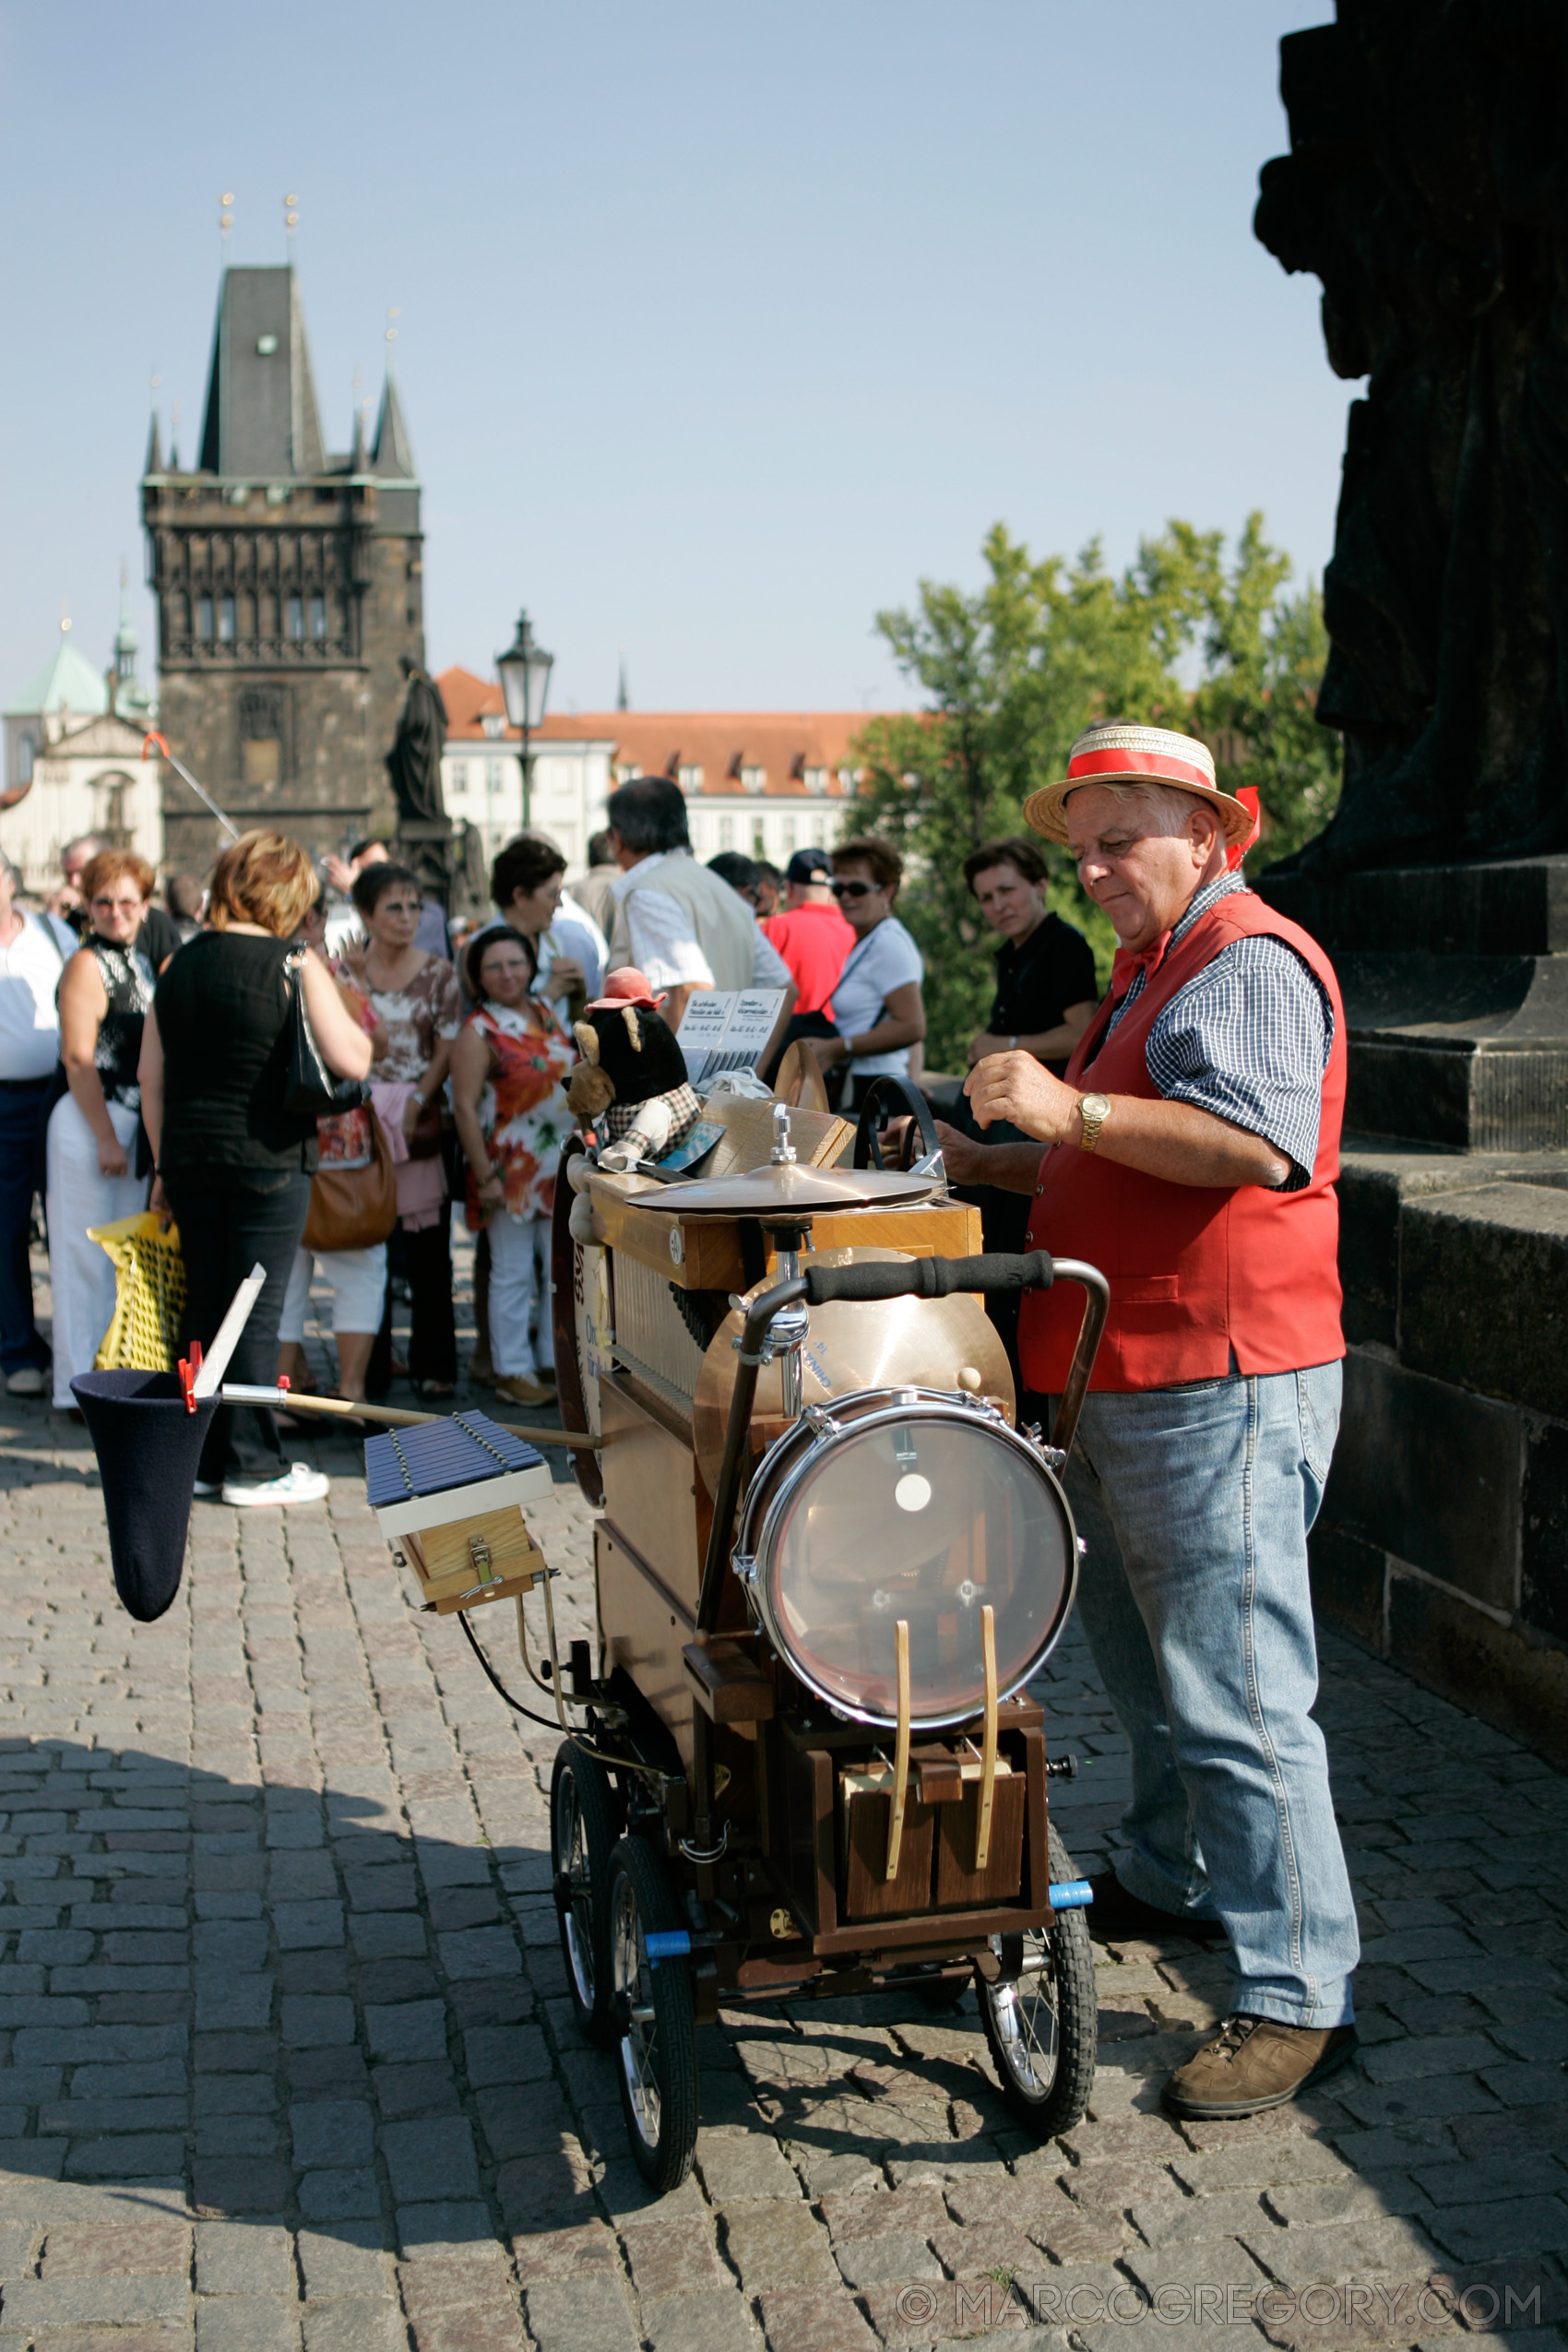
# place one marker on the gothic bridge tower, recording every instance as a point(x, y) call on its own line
point(287, 582)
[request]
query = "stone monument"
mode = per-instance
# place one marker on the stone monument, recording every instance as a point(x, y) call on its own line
point(413, 764)
point(1427, 187)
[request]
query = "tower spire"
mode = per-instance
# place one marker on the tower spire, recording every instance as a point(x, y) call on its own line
point(154, 464)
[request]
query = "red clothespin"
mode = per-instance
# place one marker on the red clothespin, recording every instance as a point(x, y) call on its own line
point(283, 1380)
point(189, 1367)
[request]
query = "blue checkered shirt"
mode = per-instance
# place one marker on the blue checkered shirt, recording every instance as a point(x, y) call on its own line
point(1248, 1039)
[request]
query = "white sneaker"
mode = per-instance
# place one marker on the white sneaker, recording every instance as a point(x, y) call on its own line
point(207, 1487)
point(27, 1382)
point(299, 1483)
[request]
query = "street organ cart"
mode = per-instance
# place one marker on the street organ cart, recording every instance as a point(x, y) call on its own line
point(804, 1762)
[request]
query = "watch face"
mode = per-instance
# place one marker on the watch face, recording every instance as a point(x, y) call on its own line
point(1095, 1106)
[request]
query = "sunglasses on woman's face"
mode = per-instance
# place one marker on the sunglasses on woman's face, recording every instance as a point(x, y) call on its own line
point(853, 889)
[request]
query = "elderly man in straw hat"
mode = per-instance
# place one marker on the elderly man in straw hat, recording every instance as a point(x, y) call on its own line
point(1191, 1153)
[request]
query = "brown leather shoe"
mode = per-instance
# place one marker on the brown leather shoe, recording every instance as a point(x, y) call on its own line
point(1256, 2062)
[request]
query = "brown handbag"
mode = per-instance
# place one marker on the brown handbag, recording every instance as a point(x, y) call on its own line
point(353, 1209)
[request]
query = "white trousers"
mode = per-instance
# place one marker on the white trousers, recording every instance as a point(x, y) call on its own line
point(358, 1282)
point(81, 1273)
point(519, 1282)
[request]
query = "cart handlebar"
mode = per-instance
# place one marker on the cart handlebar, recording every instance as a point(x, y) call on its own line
point(929, 1278)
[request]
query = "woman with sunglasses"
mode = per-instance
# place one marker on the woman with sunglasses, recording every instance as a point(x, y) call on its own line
point(876, 998)
point(99, 1162)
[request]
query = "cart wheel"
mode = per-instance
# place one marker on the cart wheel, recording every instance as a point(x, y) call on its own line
point(1043, 2029)
point(653, 2004)
point(584, 1816)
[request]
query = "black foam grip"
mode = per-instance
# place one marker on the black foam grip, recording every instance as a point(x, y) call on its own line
point(928, 1278)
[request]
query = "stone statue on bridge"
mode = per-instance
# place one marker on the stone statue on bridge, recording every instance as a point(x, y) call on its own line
point(1426, 186)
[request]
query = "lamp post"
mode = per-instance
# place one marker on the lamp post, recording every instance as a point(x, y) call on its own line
point(525, 683)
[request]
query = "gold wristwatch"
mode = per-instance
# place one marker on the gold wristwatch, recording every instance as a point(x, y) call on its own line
point(1094, 1109)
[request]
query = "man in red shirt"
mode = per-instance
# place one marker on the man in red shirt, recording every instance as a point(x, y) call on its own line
point(814, 939)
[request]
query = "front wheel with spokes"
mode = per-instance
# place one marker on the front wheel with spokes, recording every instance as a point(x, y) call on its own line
point(584, 1818)
point(1042, 2026)
point(652, 1996)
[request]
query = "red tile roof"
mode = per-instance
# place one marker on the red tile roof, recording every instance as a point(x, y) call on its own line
point(782, 744)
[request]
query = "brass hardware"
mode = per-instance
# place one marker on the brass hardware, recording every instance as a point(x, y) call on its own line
point(987, 1749)
point(781, 1925)
point(902, 1746)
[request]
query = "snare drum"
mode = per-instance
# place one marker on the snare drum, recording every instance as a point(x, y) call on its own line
point(907, 1503)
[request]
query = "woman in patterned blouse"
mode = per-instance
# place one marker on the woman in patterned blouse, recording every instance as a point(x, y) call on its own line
point(415, 994)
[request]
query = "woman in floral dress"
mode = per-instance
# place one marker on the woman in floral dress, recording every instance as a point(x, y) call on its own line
point(509, 1068)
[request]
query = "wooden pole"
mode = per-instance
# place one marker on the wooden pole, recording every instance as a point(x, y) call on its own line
point(285, 1400)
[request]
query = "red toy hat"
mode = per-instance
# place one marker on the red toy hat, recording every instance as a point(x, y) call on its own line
point(626, 986)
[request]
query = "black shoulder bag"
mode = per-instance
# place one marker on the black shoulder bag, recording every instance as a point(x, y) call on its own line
point(310, 1090)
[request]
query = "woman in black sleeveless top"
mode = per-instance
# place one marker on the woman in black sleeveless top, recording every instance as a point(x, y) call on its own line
point(97, 1155)
point(233, 1164)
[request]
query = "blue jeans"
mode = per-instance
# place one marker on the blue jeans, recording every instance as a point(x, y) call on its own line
point(1194, 1504)
point(21, 1126)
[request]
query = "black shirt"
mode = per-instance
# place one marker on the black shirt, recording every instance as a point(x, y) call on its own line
point(1036, 982)
point(223, 1016)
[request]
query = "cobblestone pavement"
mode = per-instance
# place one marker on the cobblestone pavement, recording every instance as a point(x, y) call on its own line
point(287, 2060)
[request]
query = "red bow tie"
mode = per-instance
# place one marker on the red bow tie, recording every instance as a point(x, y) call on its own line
point(1130, 962)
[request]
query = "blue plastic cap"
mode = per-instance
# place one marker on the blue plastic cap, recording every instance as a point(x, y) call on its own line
point(668, 1943)
point(1073, 1895)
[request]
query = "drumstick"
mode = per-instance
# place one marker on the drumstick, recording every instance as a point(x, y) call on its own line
point(286, 1400)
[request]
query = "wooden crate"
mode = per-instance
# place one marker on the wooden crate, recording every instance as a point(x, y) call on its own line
point(471, 1560)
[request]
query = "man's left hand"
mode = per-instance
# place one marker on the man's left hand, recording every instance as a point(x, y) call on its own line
point(1016, 1087)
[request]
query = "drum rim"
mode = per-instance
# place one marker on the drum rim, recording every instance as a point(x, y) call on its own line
point(944, 1405)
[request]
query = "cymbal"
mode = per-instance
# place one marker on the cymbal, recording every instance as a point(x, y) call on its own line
point(758, 1192)
point(921, 1343)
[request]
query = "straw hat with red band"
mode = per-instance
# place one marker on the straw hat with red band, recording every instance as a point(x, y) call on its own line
point(1121, 754)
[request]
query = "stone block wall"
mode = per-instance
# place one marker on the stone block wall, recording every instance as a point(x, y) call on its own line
point(1443, 1542)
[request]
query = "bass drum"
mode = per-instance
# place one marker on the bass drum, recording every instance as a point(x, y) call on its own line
point(907, 1504)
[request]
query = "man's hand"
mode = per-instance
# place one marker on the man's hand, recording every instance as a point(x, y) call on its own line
point(962, 1159)
point(1016, 1087)
point(566, 978)
point(340, 875)
point(984, 1044)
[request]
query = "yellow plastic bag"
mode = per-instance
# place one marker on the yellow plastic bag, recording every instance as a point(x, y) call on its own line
point(149, 1294)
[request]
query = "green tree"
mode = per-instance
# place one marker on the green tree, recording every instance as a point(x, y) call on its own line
point(1015, 672)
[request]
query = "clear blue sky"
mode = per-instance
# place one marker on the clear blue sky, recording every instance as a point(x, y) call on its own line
point(719, 326)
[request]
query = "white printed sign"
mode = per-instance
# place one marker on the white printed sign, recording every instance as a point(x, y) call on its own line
point(726, 1029)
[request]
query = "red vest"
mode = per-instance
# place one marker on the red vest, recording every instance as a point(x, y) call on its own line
point(1195, 1271)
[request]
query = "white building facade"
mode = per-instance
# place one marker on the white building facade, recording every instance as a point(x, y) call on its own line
point(764, 783)
point(74, 764)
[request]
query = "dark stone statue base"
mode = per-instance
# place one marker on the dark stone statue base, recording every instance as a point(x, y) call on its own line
point(1443, 1542)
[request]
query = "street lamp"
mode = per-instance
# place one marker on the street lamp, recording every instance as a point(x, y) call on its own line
point(525, 681)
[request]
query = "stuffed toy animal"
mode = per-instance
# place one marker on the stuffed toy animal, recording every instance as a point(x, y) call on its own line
point(632, 1079)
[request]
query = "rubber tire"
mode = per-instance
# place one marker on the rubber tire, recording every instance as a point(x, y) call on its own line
point(1077, 2021)
point(599, 1808)
point(636, 1874)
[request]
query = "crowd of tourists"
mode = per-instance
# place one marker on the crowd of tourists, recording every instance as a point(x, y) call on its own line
point(143, 1052)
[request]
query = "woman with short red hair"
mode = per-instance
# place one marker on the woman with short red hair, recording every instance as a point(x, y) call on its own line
point(234, 1162)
